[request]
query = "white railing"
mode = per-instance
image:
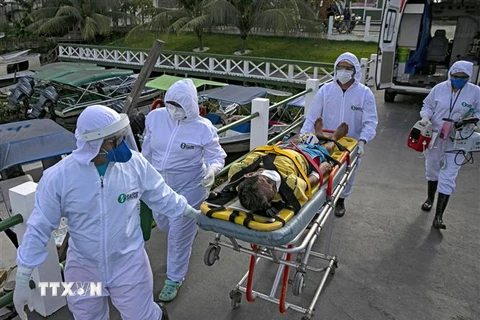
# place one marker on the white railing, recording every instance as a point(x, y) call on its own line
point(297, 72)
point(275, 70)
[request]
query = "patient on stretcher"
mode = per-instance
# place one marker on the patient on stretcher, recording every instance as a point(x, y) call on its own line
point(287, 174)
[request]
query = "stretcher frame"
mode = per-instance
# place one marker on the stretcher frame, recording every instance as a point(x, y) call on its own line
point(282, 255)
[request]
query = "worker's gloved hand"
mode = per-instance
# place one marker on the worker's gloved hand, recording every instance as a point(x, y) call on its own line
point(361, 149)
point(190, 212)
point(425, 121)
point(23, 294)
point(209, 178)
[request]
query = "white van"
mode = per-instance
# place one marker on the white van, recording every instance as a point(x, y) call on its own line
point(420, 40)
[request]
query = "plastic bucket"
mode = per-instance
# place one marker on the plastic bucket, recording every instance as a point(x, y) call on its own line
point(403, 54)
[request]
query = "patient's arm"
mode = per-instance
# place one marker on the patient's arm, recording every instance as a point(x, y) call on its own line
point(325, 167)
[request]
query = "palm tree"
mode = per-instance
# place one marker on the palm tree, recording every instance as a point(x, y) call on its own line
point(58, 17)
point(275, 15)
point(187, 16)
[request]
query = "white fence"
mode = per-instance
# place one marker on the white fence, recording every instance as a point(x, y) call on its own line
point(274, 70)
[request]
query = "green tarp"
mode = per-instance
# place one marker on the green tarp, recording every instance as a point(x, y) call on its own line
point(164, 82)
point(52, 71)
point(77, 74)
point(84, 77)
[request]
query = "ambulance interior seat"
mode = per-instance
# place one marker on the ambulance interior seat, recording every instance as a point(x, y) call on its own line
point(438, 47)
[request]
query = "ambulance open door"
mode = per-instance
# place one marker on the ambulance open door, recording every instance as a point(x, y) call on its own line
point(387, 42)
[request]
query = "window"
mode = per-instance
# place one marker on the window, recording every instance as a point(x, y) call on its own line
point(17, 67)
point(389, 26)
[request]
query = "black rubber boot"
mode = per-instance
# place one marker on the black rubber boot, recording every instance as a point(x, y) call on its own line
point(340, 207)
point(164, 311)
point(441, 205)
point(431, 190)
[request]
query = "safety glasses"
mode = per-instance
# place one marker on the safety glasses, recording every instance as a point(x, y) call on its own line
point(115, 141)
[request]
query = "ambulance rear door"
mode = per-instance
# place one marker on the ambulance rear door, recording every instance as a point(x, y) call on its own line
point(387, 42)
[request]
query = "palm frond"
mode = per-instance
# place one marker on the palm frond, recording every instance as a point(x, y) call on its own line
point(161, 22)
point(102, 22)
point(221, 12)
point(34, 26)
point(135, 33)
point(179, 24)
point(276, 19)
point(55, 25)
point(198, 23)
point(89, 28)
point(43, 13)
point(71, 12)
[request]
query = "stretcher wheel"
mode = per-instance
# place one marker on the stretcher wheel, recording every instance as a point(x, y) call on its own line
point(308, 317)
point(211, 255)
point(298, 283)
point(236, 298)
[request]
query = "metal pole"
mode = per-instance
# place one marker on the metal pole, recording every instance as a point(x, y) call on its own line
point(10, 222)
point(6, 299)
point(131, 100)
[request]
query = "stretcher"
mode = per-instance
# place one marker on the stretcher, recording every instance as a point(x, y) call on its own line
point(295, 238)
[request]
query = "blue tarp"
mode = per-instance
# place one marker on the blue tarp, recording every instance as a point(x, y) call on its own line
point(240, 95)
point(32, 140)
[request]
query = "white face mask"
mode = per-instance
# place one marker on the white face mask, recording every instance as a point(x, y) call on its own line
point(344, 75)
point(175, 112)
point(274, 175)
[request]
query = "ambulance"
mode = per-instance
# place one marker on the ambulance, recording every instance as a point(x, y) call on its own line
point(419, 41)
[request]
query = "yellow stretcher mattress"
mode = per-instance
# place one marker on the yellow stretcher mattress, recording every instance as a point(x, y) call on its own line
point(262, 223)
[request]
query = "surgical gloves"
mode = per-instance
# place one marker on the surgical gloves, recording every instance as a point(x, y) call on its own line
point(23, 294)
point(209, 178)
point(190, 212)
point(361, 149)
point(425, 121)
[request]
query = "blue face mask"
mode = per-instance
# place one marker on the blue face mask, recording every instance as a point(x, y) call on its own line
point(458, 82)
point(121, 153)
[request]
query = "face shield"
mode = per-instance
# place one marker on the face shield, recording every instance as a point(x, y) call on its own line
point(116, 132)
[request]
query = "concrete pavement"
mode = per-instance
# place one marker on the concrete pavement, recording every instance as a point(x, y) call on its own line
point(392, 264)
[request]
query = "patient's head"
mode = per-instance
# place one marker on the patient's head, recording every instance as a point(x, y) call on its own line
point(258, 189)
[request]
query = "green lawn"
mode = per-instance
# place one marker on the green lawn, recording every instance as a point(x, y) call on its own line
point(320, 50)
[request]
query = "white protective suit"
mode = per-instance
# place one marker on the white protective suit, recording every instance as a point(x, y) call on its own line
point(182, 150)
point(356, 106)
point(439, 165)
point(106, 243)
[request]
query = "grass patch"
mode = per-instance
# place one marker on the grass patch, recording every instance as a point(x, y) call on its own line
point(320, 50)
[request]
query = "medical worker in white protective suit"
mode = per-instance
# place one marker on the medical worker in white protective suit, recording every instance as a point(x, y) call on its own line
point(98, 189)
point(347, 100)
point(453, 99)
point(184, 147)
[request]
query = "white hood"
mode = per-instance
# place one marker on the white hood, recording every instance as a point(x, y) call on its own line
point(352, 59)
point(461, 66)
point(184, 93)
point(91, 119)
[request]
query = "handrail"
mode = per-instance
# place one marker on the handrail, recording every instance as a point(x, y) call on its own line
point(10, 222)
point(295, 96)
point(238, 122)
point(256, 114)
point(6, 299)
